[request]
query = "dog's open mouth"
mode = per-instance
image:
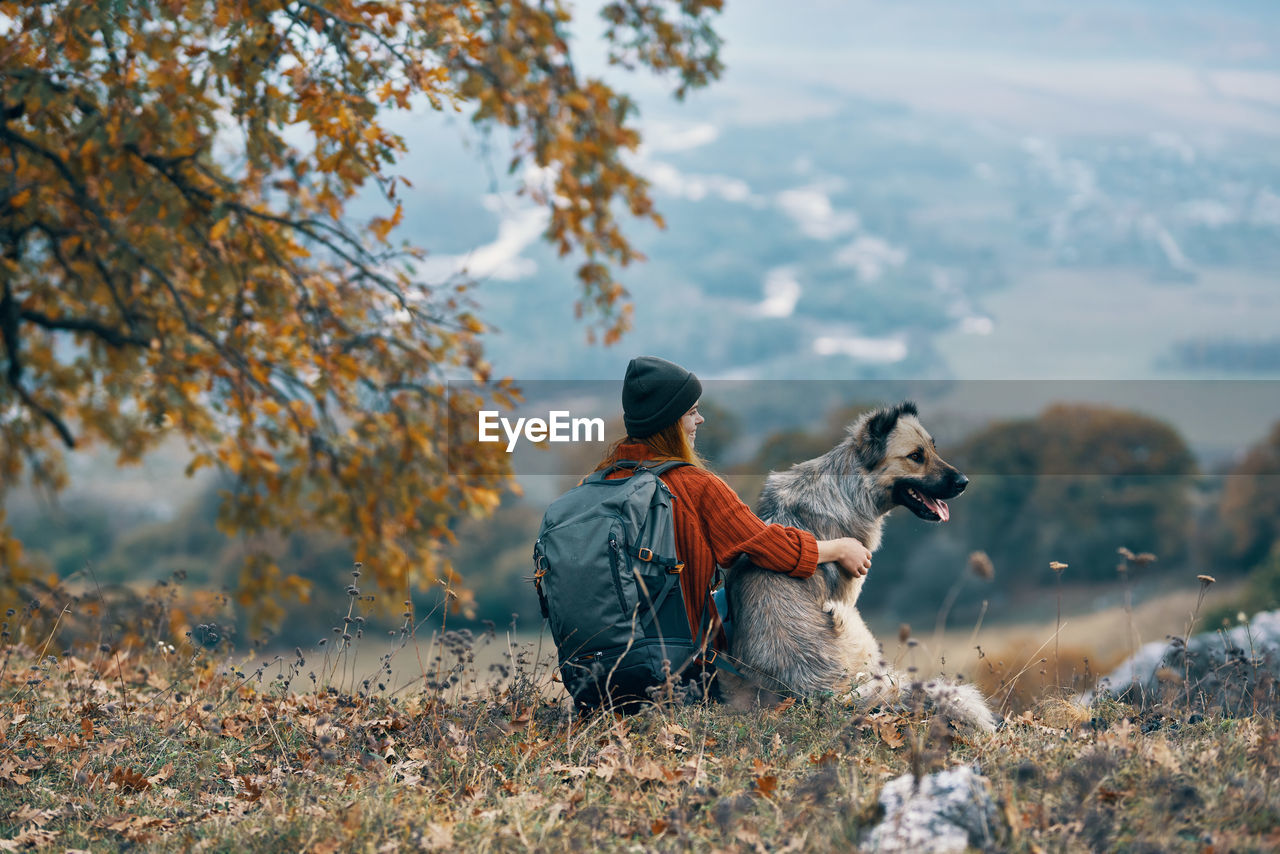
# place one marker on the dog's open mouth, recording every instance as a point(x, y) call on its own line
point(926, 507)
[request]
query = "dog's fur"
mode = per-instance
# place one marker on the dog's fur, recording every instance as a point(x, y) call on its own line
point(798, 637)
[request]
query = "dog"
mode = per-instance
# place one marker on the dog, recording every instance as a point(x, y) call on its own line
point(799, 637)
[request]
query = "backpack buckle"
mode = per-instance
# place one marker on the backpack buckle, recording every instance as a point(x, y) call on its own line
point(676, 570)
point(645, 555)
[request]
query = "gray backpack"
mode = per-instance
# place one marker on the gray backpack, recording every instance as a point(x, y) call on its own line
point(608, 580)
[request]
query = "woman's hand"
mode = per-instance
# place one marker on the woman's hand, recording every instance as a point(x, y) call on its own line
point(852, 556)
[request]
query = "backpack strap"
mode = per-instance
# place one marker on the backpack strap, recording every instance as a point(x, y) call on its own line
point(719, 595)
point(664, 467)
point(672, 565)
point(658, 468)
point(539, 571)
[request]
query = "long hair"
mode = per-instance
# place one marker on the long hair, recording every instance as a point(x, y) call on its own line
point(669, 443)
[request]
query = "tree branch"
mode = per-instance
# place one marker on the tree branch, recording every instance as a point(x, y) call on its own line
point(114, 337)
point(355, 25)
point(9, 317)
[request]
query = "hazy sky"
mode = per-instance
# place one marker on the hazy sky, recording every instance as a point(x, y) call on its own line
point(1051, 67)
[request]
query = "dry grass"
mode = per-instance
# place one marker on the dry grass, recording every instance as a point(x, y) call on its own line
point(175, 747)
point(1015, 662)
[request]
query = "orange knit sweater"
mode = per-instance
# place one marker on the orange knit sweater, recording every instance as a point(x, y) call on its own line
point(713, 526)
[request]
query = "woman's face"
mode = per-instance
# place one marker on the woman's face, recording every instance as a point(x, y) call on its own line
point(689, 423)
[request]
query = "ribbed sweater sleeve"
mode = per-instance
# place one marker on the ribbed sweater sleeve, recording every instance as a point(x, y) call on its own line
point(713, 527)
point(732, 530)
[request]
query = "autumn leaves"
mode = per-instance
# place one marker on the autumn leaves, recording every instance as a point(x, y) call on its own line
point(179, 258)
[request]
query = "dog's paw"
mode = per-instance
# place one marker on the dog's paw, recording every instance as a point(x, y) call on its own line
point(965, 705)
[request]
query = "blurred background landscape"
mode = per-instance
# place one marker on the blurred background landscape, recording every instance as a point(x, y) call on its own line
point(1056, 226)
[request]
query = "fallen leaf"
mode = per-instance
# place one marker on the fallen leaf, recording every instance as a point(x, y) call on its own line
point(783, 706)
point(162, 775)
point(135, 828)
point(386, 724)
point(250, 788)
point(890, 734)
point(766, 786)
point(128, 780)
point(27, 814)
point(12, 768)
point(610, 762)
point(570, 770)
point(646, 769)
point(31, 838)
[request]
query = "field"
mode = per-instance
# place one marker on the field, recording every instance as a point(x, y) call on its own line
point(175, 746)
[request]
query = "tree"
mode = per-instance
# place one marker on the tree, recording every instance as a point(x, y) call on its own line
point(176, 256)
point(1073, 485)
point(1250, 503)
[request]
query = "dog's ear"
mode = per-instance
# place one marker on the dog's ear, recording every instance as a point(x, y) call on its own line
point(873, 438)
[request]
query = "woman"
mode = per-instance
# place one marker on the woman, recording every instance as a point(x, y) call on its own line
point(712, 525)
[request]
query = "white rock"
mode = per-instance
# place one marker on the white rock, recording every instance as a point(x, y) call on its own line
point(951, 810)
point(1221, 667)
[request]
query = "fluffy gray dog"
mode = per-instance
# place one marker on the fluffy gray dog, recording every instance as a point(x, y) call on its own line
point(797, 637)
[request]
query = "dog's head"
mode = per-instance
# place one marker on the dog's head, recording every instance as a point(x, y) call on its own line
point(895, 450)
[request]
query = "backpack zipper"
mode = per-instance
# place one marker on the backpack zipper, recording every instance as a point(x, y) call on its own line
point(615, 557)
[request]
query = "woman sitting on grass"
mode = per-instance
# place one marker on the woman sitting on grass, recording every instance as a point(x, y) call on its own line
point(713, 527)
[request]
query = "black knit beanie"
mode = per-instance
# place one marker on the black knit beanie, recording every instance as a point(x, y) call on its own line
point(655, 394)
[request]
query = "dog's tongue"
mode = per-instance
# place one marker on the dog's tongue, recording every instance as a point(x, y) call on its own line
point(937, 506)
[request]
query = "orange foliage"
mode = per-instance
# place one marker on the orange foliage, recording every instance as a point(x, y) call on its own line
point(176, 255)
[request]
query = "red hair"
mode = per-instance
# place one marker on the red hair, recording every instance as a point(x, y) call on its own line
point(669, 443)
